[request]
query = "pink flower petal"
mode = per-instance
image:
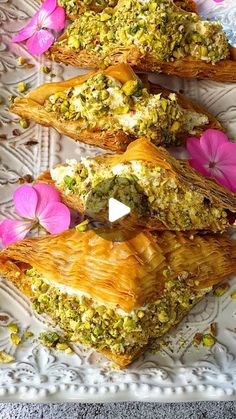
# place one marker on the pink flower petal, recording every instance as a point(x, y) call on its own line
point(26, 200)
point(27, 31)
point(199, 160)
point(195, 150)
point(56, 20)
point(13, 230)
point(48, 7)
point(227, 177)
point(227, 154)
point(199, 167)
point(40, 42)
point(46, 194)
point(55, 218)
point(210, 142)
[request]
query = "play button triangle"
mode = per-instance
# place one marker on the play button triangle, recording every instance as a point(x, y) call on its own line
point(117, 210)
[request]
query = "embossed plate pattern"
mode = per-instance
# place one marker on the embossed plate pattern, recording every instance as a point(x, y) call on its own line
point(179, 372)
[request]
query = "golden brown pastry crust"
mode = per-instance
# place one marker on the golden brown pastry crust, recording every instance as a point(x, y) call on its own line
point(86, 262)
point(180, 170)
point(91, 264)
point(31, 107)
point(224, 70)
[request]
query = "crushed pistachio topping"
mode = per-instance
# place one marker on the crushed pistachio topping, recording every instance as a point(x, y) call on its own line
point(208, 340)
point(22, 87)
point(21, 60)
point(28, 334)
point(233, 295)
point(156, 27)
point(82, 226)
point(13, 328)
point(44, 69)
point(221, 290)
point(180, 207)
point(15, 338)
point(6, 358)
point(74, 6)
point(104, 103)
point(104, 327)
point(24, 123)
point(55, 341)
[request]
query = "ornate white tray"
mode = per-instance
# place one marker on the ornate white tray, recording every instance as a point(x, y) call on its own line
point(177, 373)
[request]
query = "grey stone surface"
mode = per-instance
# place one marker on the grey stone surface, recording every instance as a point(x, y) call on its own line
point(136, 410)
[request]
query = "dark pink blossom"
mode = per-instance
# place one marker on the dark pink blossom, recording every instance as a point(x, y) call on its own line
point(39, 31)
point(37, 205)
point(214, 156)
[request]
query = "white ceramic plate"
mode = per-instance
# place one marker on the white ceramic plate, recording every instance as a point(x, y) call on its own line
point(177, 373)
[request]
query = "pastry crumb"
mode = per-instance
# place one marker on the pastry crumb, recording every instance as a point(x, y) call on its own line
point(221, 290)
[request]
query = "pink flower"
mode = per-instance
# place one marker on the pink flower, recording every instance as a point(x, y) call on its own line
point(38, 205)
point(39, 38)
point(215, 156)
point(218, 1)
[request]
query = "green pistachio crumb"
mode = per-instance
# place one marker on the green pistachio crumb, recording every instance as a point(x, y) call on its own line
point(21, 60)
point(16, 339)
point(44, 69)
point(69, 350)
point(69, 182)
point(22, 87)
point(105, 17)
point(163, 317)
point(208, 340)
point(82, 226)
point(175, 126)
point(233, 295)
point(167, 272)
point(28, 334)
point(49, 339)
point(6, 358)
point(130, 87)
point(29, 66)
point(13, 328)
point(24, 123)
point(62, 346)
point(221, 290)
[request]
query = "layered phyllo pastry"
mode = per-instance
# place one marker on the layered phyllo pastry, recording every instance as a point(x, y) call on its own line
point(117, 297)
point(163, 193)
point(111, 108)
point(153, 35)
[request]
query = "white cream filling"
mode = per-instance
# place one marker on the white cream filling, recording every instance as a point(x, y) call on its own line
point(116, 97)
point(195, 120)
point(72, 291)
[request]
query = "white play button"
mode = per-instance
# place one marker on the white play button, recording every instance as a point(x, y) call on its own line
point(117, 210)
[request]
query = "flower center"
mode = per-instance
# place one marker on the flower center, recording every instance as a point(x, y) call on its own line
point(212, 165)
